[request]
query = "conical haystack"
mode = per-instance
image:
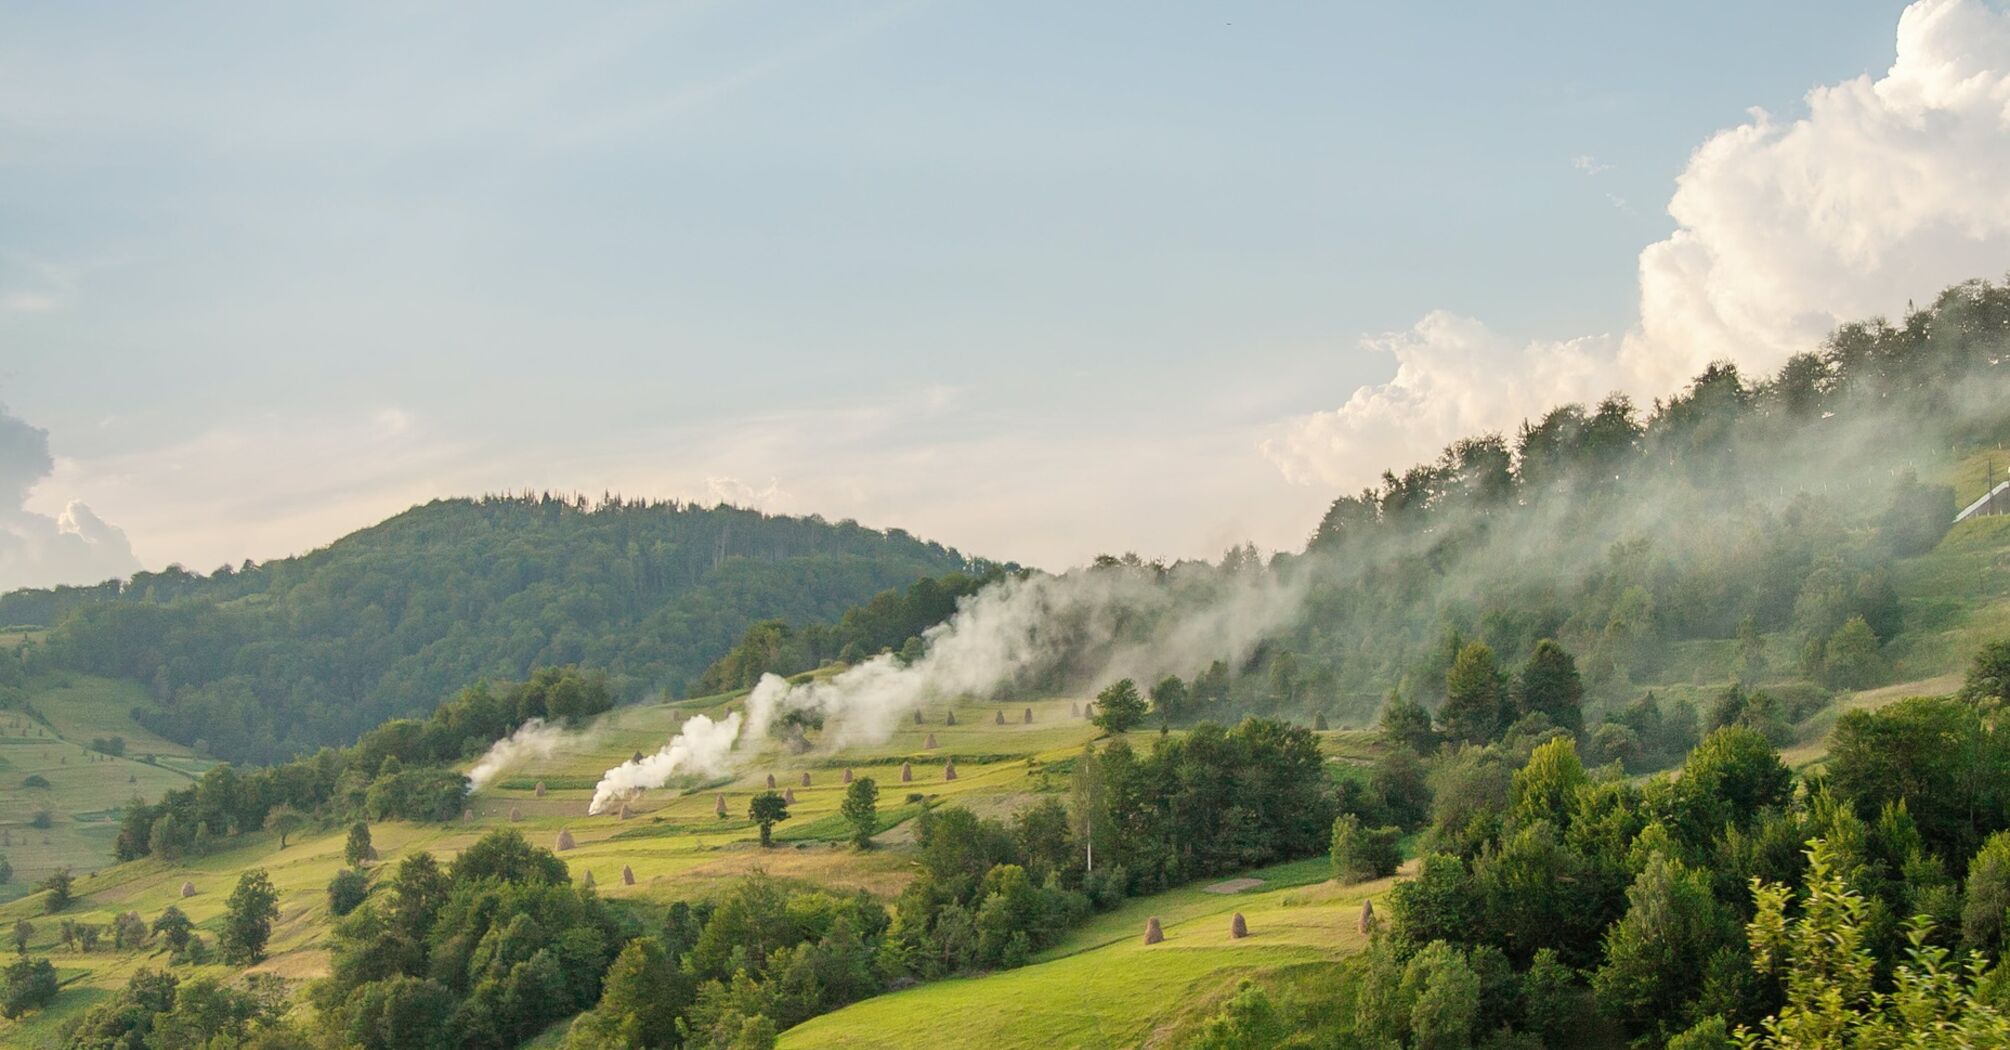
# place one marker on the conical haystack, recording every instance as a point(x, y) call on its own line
point(1153, 934)
point(1074, 709)
point(949, 719)
point(636, 758)
point(188, 889)
point(515, 814)
point(467, 816)
point(930, 742)
point(999, 719)
point(949, 770)
point(587, 882)
point(721, 807)
point(906, 772)
point(626, 812)
point(1237, 929)
point(564, 840)
point(806, 780)
point(771, 782)
point(789, 796)
point(1368, 922)
point(1088, 710)
point(540, 789)
point(917, 716)
point(847, 774)
point(627, 875)
point(1029, 716)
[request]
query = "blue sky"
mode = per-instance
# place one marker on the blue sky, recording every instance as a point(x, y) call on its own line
point(1032, 279)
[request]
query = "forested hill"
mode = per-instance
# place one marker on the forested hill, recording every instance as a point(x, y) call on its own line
point(263, 661)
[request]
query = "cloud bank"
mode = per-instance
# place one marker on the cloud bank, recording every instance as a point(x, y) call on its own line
point(1890, 186)
point(36, 550)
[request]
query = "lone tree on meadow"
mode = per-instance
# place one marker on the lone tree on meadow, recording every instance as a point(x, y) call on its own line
point(861, 811)
point(357, 849)
point(1169, 700)
point(58, 886)
point(286, 820)
point(767, 809)
point(28, 984)
point(1119, 707)
point(174, 929)
point(247, 925)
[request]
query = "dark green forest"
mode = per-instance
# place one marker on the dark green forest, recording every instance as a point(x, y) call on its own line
point(260, 662)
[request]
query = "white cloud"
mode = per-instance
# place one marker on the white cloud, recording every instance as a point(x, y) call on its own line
point(1589, 164)
point(36, 550)
point(1889, 188)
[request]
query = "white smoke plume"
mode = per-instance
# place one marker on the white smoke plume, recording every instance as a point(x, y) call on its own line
point(703, 747)
point(1093, 625)
point(533, 739)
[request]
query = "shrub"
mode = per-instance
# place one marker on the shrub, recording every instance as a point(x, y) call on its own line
point(1362, 853)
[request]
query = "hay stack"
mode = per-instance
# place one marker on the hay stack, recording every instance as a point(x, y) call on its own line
point(564, 840)
point(847, 774)
point(1237, 929)
point(1367, 924)
point(515, 814)
point(1153, 934)
point(806, 780)
point(467, 816)
point(188, 889)
point(626, 812)
point(636, 758)
point(928, 743)
point(906, 772)
point(949, 770)
point(627, 875)
point(917, 716)
point(999, 720)
point(587, 882)
point(771, 782)
point(789, 796)
point(721, 807)
point(1089, 710)
point(949, 719)
point(1029, 716)
point(540, 789)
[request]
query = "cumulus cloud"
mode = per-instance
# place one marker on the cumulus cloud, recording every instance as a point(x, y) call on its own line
point(36, 550)
point(1889, 187)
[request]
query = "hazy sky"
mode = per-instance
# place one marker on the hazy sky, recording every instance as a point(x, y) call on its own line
point(1036, 280)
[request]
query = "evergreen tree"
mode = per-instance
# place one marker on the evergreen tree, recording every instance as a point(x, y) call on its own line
point(1550, 685)
point(1473, 710)
point(860, 810)
point(357, 849)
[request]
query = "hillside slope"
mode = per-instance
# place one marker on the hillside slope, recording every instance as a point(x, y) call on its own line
point(263, 661)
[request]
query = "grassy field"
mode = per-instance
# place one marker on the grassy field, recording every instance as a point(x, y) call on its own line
point(673, 841)
point(1104, 987)
point(85, 790)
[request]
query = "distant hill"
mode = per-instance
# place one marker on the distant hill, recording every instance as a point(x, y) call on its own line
point(264, 661)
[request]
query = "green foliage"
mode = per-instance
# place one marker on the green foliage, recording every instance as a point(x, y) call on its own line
point(1170, 699)
point(1833, 997)
point(1119, 707)
point(347, 890)
point(273, 660)
point(861, 810)
point(767, 809)
point(57, 890)
point(641, 1000)
point(1248, 1021)
point(1361, 853)
point(163, 1012)
point(174, 929)
point(1549, 684)
point(357, 850)
point(1988, 681)
point(1655, 957)
point(29, 984)
point(247, 922)
point(1850, 659)
point(892, 620)
point(1475, 691)
point(1406, 723)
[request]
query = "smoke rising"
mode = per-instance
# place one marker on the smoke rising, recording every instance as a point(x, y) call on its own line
point(535, 738)
point(1023, 633)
